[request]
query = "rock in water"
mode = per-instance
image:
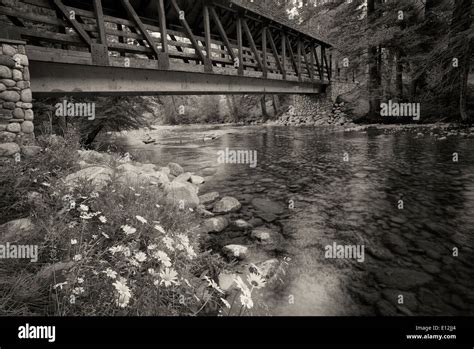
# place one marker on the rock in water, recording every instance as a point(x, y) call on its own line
point(227, 204)
point(183, 177)
point(175, 169)
point(403, 279)
point(236, 251)
point(197, 180)
point(268, 206)
point(208, 198)
point(183, 195)
point(215, 225)
point(241, 224)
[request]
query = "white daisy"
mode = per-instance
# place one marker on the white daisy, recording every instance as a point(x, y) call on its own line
point(163, 258)
point(169, 277)
point(141, 219)
point(140, 257)
point(128, 230)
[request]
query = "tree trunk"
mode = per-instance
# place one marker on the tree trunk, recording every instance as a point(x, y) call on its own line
point(399, 76)
point(461, 22)
point(372, 83)
point(264, 107)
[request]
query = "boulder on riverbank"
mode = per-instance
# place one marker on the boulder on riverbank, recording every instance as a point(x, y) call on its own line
point(183, 194)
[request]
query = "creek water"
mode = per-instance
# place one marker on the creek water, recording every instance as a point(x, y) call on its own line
point(346, 188)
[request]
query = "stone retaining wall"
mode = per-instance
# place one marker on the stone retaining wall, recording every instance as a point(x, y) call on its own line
point(317, 110)
point(16, 108)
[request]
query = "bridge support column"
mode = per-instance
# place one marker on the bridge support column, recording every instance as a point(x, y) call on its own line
point(16, 108)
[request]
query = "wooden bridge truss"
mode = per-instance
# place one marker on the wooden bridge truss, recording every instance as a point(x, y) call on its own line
point(162, 47)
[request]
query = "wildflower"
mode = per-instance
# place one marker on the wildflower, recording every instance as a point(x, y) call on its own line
point(191, 253)
point(242, 286)
point(124, 293)
point(72, 299)
point(213, 284)
point(83, 208)
point(151, 271)
point(73, 242)
point(102, 219)
point(110, 273)
point(246, 301)
point(72, 225)
point(227, 304)
point(256, 280)
point(80, 280)
point(183, 239)
point(169, 277)
point(140, 257)
point(67, 197)
point(152, 247)
point(163, 258)
point(128, 230)
point(86, 216)
point(60, 285)
point(168, 243)
point(94, 237)
point(94, 195)
point(134, 263)
point(72, 205)
point(160, 229)
point(77, 258)
point(141, 219)
point(78, 291)
point(116, 249)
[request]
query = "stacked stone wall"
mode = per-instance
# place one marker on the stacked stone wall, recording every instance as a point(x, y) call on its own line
point(16, 108)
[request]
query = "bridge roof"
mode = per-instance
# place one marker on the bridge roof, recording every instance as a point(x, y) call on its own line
point(271, 15)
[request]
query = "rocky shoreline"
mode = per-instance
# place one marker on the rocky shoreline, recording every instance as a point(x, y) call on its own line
point(255, 244)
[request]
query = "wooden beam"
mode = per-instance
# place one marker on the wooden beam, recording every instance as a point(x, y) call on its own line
point(252, 44)
point(133, 15)
point(283, 54)
point(240, 46)
point(274, 50)
point(189, 32)
point(311, 56)
point(99, 16)
point(298, 54)
point(292, 56)
point(320, 71)
point(325, 62)
point(310, 71)
point(264, 51)
point(222, 33)
point(75, 24)
point(207, 32)
point(163, 30)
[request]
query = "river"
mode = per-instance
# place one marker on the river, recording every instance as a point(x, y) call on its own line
point(406, 196)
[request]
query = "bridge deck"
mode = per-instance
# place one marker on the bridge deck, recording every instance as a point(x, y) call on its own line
point(163, 46)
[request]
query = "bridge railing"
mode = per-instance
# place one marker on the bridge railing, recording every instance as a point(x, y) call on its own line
point(67, 34)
